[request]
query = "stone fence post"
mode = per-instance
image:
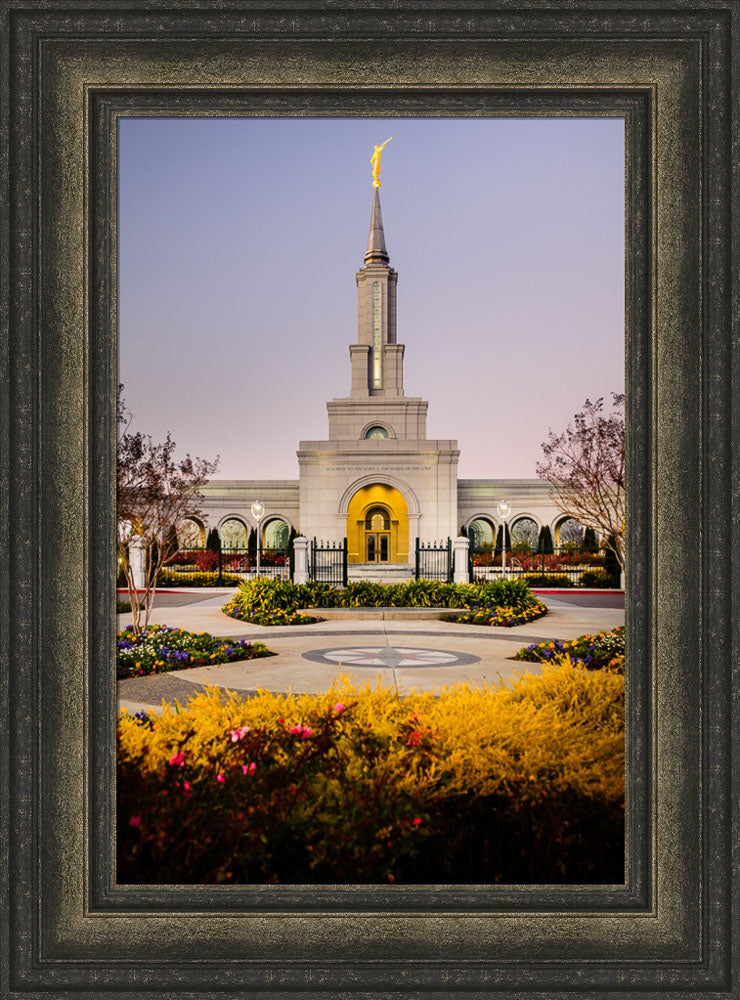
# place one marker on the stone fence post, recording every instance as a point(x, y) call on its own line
point(136, 560)
point(460, 547)
point(300, 551)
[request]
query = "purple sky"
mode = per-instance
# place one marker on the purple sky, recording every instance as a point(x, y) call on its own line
point(239, 240)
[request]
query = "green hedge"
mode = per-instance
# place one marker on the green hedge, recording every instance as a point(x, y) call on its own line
point(255, 597)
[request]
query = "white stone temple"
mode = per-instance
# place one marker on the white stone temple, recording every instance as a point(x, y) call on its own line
point(377, 479)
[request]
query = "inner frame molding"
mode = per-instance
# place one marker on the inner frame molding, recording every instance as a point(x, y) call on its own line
point(71, 74)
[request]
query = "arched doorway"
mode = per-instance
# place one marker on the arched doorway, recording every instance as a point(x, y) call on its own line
point(378, 526)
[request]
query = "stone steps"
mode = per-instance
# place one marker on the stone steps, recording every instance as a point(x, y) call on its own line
point(379, 573)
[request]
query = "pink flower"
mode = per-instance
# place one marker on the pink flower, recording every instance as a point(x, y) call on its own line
point(414, 739)
point(302, 731)
point(417, 820)
point(236, 734)
point(295, 730)
point(186, 786)
point(178, 760)
point(220, 777)
point(306, 732)
point(339, 707)
point(249, 768)
point(135, 820)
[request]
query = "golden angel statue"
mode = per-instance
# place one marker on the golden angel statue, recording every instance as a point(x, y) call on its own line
point(375, 161)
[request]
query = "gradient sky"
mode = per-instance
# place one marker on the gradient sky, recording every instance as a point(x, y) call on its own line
point(239, 240)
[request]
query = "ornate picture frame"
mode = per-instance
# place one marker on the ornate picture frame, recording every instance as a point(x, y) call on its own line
point(69, 72)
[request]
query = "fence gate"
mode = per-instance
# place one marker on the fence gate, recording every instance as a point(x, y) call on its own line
point(434, 561)
point(327, 562)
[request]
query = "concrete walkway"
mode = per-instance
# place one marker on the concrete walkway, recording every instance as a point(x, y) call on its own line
point(401, 653)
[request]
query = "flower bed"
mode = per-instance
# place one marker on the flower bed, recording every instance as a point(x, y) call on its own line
point(505, 598)
point(605, 649)
point(196, 578)
point(520, 784)
point(276, 616)
point(505, 617)
point(161, 649)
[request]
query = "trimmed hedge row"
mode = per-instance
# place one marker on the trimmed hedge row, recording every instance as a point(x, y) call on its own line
point(255, 598)
point(496, 785)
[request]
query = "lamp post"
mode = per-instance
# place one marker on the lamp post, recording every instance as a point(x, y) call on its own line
point(504, 509)
point(258, 512)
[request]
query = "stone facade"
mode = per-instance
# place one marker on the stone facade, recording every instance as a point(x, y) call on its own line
point(377, 438)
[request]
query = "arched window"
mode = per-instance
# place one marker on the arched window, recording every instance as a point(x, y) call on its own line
point(525, 531)
point(376, 432)
point(480, 533)
point(277, 534)
point(233, 534)
point(377, 519)
point(190, 534)
point(570, 532)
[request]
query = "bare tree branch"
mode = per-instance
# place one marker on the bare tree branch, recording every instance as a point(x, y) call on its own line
point(585, 468)
point(155, 492)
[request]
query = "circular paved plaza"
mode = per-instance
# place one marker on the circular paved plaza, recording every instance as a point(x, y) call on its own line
point(405, 655)
point(390, 656)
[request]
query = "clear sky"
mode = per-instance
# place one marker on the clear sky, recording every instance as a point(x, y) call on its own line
point(239, 240)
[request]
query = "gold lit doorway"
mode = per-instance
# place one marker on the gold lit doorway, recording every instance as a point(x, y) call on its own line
point(377, 535)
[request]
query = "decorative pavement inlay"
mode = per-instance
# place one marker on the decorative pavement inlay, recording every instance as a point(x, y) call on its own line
point(390, 657)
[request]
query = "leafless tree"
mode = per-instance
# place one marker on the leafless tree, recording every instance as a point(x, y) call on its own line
point(585, 468)
point(155, 492)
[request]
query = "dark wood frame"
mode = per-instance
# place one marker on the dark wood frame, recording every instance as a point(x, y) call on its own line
point(68, 71)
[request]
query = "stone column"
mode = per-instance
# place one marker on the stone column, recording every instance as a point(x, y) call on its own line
point(413, 535)
point(136, 559)
point(460, 548)
point(300, 549)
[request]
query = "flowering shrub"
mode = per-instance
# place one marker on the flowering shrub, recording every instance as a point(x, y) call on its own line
point(160, 649)
point(517, 784)
point(605, 649)
point(206, 560)
point(503, 616)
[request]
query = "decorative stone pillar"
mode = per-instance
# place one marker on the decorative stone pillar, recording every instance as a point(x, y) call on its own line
point(460, 547)
point(300, 550)
point(137, 562)
point(413, 535)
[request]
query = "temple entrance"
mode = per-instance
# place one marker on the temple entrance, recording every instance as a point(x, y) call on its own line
point(378, 526)
point(377, 535)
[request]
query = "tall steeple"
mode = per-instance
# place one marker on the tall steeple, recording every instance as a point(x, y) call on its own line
point(377, 360)
point(376, 251)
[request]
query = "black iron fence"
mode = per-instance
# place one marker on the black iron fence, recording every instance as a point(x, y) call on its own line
point(434, 561)
point(564, 566)
point(327, 562)
point(191, 567)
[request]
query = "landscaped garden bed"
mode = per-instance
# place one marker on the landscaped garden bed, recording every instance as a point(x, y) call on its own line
point(604, 649)
point(503, 617)
point(197, 578)
point(519, 784)
point(275, 602)
point(159, 649)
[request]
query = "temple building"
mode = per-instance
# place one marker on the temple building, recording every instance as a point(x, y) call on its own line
point(377, 479)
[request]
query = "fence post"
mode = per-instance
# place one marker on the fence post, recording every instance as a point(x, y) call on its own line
point(300, 550)
point(220, 568)
point(345, 572)
point(461, 560)
point(416, 569)
point(136, 556)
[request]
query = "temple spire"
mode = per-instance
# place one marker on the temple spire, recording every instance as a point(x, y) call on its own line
point(376, 251)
